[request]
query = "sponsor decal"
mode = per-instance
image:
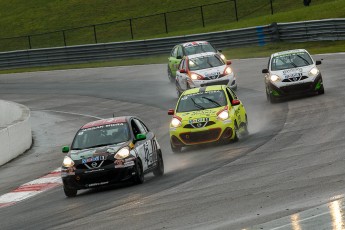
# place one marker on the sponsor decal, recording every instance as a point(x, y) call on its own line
point(93, 159)
point(199, 120)
point(130, 163)
point(94, 170)
point(227, 121)
point(98, 184)
point(295, 70)
point(130, 159)
point(119, 166)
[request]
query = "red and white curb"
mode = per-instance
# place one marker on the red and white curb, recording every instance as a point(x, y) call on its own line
point(32, 188)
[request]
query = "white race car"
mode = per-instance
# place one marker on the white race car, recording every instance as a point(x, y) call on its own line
point(204, 69)
point(292, 73)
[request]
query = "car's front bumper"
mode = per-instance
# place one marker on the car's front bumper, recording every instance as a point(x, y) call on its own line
point(182, 136)
point(89, 178)
point(228, 80)
point(295, 88)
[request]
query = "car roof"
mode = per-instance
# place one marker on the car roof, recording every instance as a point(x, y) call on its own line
point(113, 120)
point(203, 89)
point(288, 52)
point(194, 43)
point(205, 54)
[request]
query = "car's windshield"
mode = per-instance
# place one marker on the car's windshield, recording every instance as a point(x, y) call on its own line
point(198, 48)
point(291, 60)
point(101, 136)
point(205, 62)
point(201, 101)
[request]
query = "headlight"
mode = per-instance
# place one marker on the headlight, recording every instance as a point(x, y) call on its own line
point(228, 70)
point(175, 122)
point(194, 76)
point(274, 78)
point(314, 72)
point(223, 57)
point(67, 162)
point(122, 153)
point(223, 115)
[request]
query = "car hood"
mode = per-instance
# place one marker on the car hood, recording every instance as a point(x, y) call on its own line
point(215, 71)
point(98, 151)
point(193, 116)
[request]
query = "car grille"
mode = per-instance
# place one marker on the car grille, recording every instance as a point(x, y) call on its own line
point(297, 88)
point(215, 76)
point(202, 136)
point(105, 163)
point(293, 79)
point(202, 124)
point(106, 175)
point(224, 82)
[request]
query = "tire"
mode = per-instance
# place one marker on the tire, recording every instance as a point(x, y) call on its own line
point(246, 132)
point(270, 98)
point(70, 192)
point(139, 174)
point(170, 76)
point(159, 170)
point(175, 149)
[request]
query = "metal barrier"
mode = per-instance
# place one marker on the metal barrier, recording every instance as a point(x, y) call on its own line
point(319, 30)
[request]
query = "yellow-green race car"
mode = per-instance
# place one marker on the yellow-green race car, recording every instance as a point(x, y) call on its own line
point(207, 114)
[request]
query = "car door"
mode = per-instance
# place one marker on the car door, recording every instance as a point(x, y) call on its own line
point(175, 59)
point(182, 78)
point(147, 150)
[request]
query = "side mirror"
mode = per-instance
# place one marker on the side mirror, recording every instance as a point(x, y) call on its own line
point(140, 137)
point(220, 51)
point(182, 71)
point(228, 62)
point(171, 112)
point(318, 63)
point(265, 71)
point(235, 102)
point(65, 149)
point(178, 57)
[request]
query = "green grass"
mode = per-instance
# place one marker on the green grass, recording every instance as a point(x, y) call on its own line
point(27, 17)
point(230, 53)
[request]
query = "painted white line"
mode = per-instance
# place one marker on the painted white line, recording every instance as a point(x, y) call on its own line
point(17, 196)
point(77, 114)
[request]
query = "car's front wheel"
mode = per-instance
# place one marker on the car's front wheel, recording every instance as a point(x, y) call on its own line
point(70, 192)
point(139, 174)
point(321, 90)
point(159, 170)
point(175, 149)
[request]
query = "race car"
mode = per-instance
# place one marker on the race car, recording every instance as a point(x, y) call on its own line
point(292, 73)
point(204, 69)
point(185, 49)
point(109, 151)
point(207, 114)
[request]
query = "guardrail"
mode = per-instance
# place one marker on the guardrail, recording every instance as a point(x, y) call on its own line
point(318, 30)
point(15, 130)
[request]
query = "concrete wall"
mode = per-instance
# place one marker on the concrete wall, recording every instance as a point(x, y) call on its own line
point(15, 130)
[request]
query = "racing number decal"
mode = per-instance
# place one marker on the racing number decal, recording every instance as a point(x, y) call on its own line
point(150, 149)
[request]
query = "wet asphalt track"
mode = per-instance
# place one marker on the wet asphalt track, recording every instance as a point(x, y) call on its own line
point(292, 161)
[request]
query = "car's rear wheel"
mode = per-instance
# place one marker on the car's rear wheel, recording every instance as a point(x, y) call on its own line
point(159, 170)
point(175, 149)
point(245, 132)
point(236, 132)
point(70, 192)
point(139, 173)
point(170, 76)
